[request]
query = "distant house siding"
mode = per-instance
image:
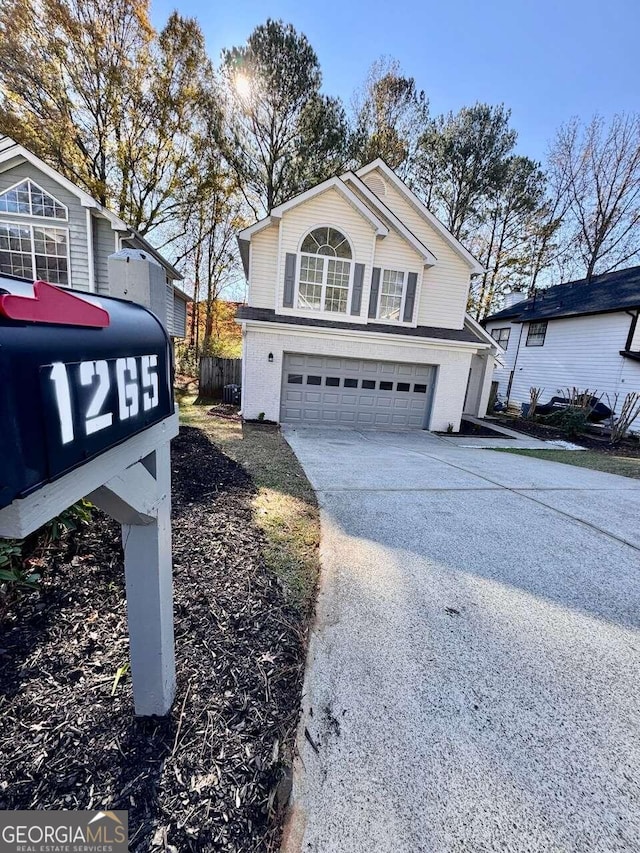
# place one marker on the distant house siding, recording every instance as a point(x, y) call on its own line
point(179, 316)
point(501, 375)
point(578, 351)
point(104, 244)
point(76, 224)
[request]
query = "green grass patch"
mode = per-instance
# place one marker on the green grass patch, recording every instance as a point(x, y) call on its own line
point(285, 505)
point(626, 466)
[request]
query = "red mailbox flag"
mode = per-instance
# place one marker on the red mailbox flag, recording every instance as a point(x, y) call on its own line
point(53, 305)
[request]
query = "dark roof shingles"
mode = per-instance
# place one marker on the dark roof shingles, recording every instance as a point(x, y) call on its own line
point(614, 291)
point(268, 315)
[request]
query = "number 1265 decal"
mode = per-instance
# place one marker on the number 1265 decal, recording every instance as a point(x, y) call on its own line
point(136, 383)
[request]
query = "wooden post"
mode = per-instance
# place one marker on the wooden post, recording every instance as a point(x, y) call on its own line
point(140, 499)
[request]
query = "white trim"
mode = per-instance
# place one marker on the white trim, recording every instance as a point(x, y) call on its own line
point(456, 245)
point(90, 256)
point(429, 258)
point(43, 227)
point(382, 337)
point(34, 215)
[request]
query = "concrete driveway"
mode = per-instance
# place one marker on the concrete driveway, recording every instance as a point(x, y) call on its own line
point(473, 676)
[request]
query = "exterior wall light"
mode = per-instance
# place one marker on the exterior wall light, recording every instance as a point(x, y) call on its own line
point(270, 357)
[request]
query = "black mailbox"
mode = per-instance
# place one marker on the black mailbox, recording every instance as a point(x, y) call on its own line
point(77, 376)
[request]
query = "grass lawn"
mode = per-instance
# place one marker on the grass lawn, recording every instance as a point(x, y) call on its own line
point(285, 504)
point(624, 465)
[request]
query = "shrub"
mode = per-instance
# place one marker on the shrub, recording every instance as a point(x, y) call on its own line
point(569, 420)
point(12, 569)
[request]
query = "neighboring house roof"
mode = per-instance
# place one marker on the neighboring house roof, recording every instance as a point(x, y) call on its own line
point(613, 291)
point(374, 210)
point(12, 154)
point(268, 315)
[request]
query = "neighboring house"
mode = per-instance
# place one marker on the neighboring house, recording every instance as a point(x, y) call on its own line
point(581, 334)
point(356, 311)
point(53, 230)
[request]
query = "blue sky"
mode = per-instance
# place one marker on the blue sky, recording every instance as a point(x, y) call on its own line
point(546, 60)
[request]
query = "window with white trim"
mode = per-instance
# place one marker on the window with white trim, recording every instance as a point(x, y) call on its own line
point(391, 295)
point(34, 252)
point(28, 199)
point(536, 334)
point(325, 271)
point(501, 336)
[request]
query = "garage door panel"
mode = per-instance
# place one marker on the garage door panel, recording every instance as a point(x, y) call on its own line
point(328, 389)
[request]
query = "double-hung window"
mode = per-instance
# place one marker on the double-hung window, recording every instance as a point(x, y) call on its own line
point(501, 336)
point(28, 250)
point(536, 334)
point(391, 295)
point(325, 271)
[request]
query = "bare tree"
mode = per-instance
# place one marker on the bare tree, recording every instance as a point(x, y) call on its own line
point(601, 165)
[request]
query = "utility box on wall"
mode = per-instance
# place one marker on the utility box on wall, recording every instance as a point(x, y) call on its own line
point(135, 276)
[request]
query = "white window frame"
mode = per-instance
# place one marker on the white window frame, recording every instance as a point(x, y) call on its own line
point(405, 280)
point(35, 215)
point(41, 226)
point(325, 271)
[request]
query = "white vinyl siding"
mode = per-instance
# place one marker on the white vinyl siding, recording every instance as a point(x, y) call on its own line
point(328, 209)
point(76, 222)
point(501, 374)
point(580, 351)
point(263, 270)
point(445, 287)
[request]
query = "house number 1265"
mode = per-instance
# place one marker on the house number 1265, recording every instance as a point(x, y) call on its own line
point(137, 389)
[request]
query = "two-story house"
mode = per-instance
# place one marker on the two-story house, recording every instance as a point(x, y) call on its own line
point(356, 311)
point(51, 229)
point(582, 334)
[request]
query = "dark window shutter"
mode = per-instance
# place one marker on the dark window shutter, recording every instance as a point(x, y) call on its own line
point(373, 296)
point(289, 280)
point(356, 293)
point(410, 301)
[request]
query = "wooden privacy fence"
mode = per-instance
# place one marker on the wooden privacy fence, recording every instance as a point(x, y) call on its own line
point(215, 373)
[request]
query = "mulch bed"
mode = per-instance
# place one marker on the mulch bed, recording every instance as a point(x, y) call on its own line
point(628, 447)
point(212, 776)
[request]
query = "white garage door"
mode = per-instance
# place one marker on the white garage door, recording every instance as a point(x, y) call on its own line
point(355, 392)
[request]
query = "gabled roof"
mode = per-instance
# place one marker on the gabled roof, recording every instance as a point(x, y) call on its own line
point(11, 154)
point(420, 207)
point(614, 291)
point(390, 216)
point(275, 215)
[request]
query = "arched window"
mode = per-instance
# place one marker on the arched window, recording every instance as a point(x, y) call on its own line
point(28, 199)
point(325, 271)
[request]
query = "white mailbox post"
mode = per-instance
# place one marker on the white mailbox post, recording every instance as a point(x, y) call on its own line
point(87, 410)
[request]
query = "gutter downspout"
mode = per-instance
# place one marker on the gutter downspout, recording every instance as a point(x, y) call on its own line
point(515, 364)
point(90, 255)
